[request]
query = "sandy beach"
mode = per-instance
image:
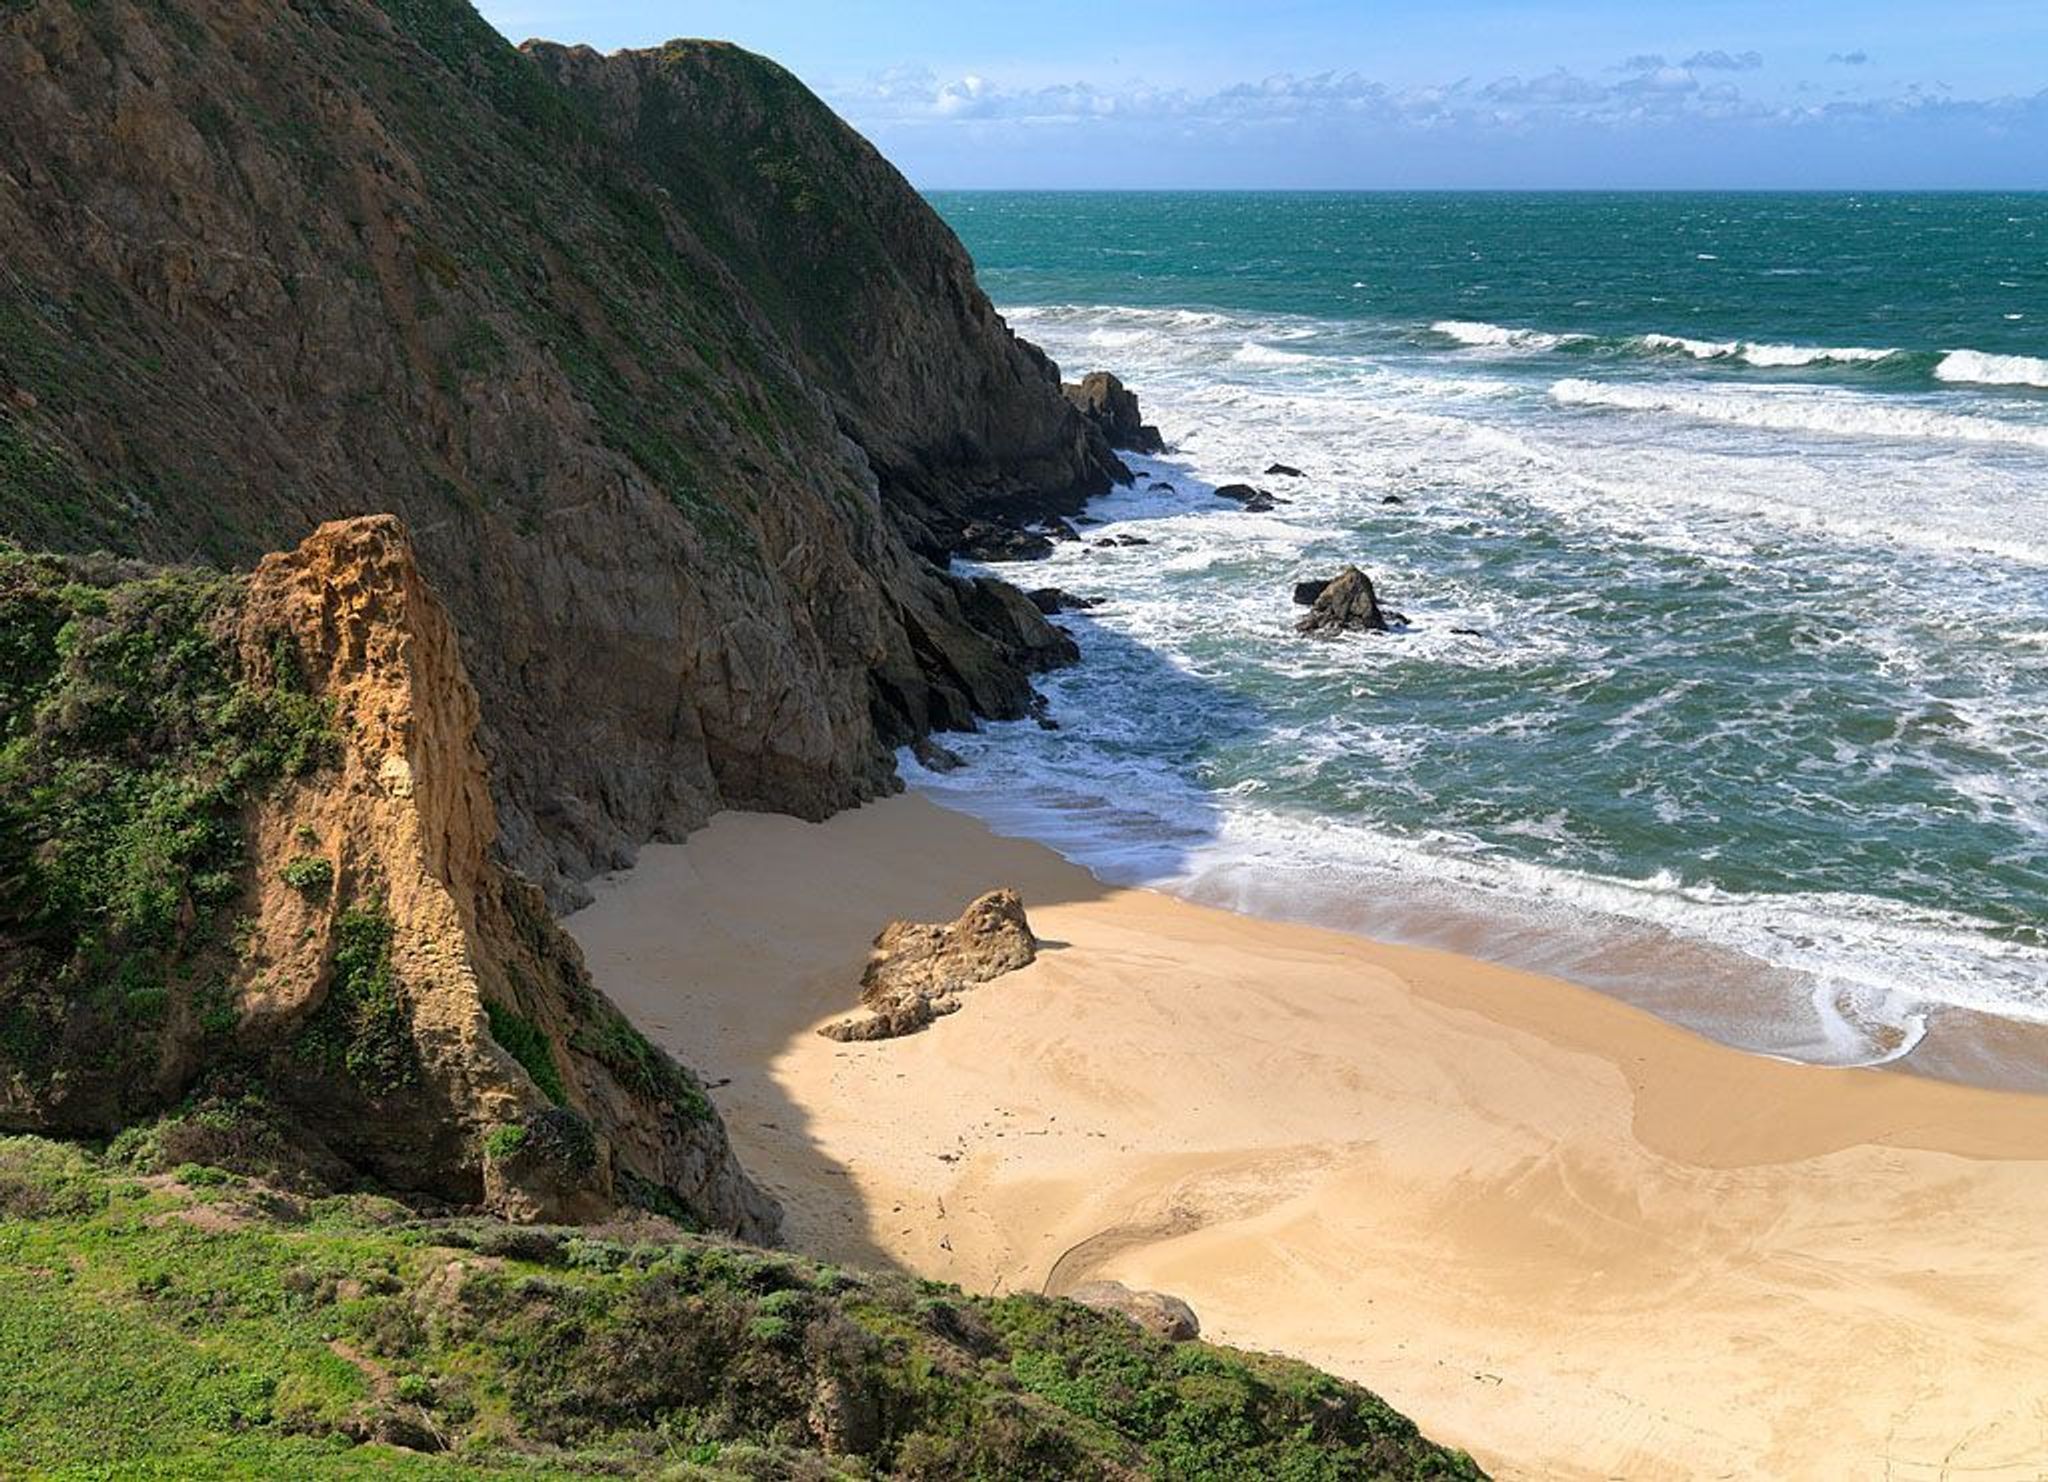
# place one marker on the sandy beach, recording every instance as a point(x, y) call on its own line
point(1553, 1229)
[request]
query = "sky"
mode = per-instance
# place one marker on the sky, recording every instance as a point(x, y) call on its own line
point(1398, 94)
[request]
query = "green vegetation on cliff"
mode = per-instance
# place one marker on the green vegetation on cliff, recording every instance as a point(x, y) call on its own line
point(130, 742)
point(160, 1324)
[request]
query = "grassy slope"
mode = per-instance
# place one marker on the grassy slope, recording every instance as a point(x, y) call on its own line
point(149, 1325)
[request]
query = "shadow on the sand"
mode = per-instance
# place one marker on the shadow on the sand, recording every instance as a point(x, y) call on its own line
point(684, 944)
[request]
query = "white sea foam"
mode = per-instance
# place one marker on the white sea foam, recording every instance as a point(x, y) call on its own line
point(1786, 410)
point(1765, 355)
point(1977, 368)
point(1830, 978)
point(1479, 334)
point(1832, 495)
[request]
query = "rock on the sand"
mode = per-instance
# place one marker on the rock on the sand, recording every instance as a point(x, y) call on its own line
point(918, 970)
point(1157, 1313)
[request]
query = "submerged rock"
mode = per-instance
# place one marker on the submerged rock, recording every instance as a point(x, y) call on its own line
point(1113, 410)
point(934, 757)
point(1282, 470)
point(985, 540)
point(1050, 600)
point(1158, 1313)
point(917, 970)
point(1346, 603)
point(1255, 501)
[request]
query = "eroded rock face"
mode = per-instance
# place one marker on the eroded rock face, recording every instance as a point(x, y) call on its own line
point(917, 971)
point(674, 449)
point(1158, 1313)
point(406, 818)
point(353, 956)
point(1112, 408)
point(1344, 604)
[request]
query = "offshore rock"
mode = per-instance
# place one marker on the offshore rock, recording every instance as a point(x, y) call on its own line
point(1113, 410)
point(1344, 604)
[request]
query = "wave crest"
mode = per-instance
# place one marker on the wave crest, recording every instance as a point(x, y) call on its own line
point(1837, 416)
point(1975, 367)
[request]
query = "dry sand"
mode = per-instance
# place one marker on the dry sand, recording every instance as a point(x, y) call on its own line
point(1553, 1229)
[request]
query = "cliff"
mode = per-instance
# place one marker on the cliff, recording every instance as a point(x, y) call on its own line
point(247, 867)
point(666, 371)
point(957, 416)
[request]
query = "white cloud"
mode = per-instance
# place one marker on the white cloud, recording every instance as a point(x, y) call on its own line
point(1721, 61)
point(1657, 92)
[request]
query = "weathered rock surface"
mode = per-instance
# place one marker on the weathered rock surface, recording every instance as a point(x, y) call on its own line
point(671, 376)
point(917, 971)
point(1346, 603)
point(1112, 409)
point(1158, 1313)
point(399, 997)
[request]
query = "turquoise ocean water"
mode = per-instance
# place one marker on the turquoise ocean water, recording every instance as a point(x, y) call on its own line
point(1744, 499)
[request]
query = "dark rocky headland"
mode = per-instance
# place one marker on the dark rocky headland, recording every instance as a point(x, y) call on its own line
point(429, 470)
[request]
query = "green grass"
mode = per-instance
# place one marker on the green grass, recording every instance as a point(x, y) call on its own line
point(209, 1323)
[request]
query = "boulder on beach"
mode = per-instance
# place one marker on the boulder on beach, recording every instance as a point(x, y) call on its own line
point(1113, 408)
point(917, 971)
point(1346, 603)
point(1158, 1313)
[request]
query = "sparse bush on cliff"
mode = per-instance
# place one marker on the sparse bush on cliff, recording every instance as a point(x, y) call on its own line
point(524, 1042)
point(310, 875)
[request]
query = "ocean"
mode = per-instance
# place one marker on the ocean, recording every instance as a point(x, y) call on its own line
point(1722, 525)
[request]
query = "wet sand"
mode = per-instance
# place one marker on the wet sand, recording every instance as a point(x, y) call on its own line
point(1555, 1230)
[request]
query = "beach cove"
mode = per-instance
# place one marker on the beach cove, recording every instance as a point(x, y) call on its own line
point(1556, 1230)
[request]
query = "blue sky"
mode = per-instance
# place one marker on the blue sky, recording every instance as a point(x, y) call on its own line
point(1399, 93)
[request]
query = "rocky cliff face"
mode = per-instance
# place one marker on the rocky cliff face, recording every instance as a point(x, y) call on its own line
point(665, 370)
point(882, 312)
point(319, 921)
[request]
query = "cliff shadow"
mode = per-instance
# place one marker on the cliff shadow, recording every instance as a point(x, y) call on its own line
point(732, 948)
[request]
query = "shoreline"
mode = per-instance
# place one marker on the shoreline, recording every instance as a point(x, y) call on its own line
point(1717, 992)
point(1489, 1195)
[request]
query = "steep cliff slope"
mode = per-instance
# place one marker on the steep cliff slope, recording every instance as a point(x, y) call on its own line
point(269, 264)
point(883, 315)
point(246, 867)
